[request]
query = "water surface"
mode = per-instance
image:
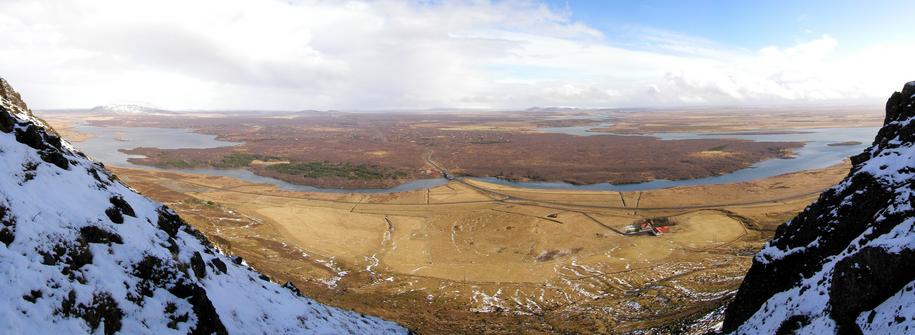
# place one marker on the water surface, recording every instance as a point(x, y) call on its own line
point(106, 143)
point(816, 153)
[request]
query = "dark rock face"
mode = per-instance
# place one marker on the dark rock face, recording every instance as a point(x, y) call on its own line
point(103, 311)
point(71, 254)
point(169, 221)
point(37, 137)
point(853, 246)
point(155, 273)
point(7, 226)
point(122, 206)
point(118, 209)
point(865, 280)
point(6, 121)
point(219, 265)
point(200, 269)
point(93, 234)
point(114, 215)
point(47, 144)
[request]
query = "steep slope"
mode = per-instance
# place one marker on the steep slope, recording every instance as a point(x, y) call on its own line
point(80, 252)
point(847, 263)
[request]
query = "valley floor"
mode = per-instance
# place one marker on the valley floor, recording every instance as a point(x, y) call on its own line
point(472, 257)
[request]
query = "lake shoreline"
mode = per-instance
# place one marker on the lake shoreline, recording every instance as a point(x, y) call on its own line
point(819, 151)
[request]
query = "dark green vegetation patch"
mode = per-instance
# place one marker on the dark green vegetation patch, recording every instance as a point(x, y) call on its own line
point(338, 170)
point(236, 160)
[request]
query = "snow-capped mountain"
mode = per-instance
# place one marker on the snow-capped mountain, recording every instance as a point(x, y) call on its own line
point(846, 264)
point(129, 110)
point(82, 253)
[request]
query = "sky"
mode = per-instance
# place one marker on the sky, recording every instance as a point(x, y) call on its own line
point(512, 54)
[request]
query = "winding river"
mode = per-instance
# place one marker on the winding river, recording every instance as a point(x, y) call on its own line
point(819, 151)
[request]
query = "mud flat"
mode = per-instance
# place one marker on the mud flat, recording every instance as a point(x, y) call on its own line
point(474, 257)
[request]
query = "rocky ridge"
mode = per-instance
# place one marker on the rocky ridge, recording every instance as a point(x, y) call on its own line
point(80, 252)
point(846, 264)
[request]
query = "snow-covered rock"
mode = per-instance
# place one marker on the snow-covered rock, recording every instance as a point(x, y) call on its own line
point(846, 264)
point(82, 253)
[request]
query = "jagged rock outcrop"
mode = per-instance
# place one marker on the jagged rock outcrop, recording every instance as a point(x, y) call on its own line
point(846, 264)
point(82, 253)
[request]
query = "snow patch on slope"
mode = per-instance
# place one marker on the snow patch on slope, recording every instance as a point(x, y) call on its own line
point(82, 253)
point(852, 250)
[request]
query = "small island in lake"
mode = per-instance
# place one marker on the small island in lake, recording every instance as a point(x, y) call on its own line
point(842, 144)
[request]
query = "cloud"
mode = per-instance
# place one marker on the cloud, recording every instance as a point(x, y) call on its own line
point(273, 54)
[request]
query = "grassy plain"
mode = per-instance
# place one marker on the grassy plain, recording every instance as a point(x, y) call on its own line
point(772, 120)
point(474, 257)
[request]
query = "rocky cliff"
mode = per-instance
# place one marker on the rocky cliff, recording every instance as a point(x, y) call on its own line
point(846, 264)
point(82, 253)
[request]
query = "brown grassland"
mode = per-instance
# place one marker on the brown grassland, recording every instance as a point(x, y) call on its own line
point(472, 257)
point(377, 150)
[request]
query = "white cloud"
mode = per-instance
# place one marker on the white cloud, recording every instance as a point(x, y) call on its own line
point(272, 54)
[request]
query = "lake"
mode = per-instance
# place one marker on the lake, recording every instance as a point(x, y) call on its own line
point(817, 153)
point(106, 142)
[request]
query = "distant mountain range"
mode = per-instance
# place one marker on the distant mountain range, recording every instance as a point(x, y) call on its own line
point(129, 110)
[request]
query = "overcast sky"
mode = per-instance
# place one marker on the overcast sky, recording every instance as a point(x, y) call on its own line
point(291, 55)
